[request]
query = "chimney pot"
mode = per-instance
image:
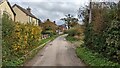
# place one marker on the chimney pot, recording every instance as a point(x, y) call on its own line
point(54, 21)
point(29, 9)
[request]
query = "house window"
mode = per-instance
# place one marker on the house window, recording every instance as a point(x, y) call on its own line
point(36, 22)
point(30, 19)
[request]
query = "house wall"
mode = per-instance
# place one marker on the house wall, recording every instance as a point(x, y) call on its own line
point(35, 21)
point(5, 7)
point(21, 16)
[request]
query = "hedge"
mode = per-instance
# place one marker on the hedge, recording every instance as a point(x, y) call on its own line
point(17, 40)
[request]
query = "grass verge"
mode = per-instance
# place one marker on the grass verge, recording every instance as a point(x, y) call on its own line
point(90, 58)
point(93, 59)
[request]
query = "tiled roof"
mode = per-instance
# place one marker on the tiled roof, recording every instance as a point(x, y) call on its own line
point(25, 11)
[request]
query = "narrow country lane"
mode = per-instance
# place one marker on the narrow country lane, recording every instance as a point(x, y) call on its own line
point(56, 53)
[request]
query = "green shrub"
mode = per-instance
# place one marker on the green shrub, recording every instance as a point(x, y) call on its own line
point(65, 31)
point(75, 31)
point(71, 32)
point(103, 36)
point(48, 31)
point(71, 39)
point(113, 41)
point(17, 40)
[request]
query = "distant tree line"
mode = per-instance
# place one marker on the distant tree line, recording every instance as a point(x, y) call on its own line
point(70, 20)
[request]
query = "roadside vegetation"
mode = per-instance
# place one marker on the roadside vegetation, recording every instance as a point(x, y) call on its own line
point(18, 40)
point(49, 28)
point(101, 37)
point(93, 59)
point(88, 56)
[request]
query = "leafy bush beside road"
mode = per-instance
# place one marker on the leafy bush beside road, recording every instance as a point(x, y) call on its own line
point(93, 57)
point(89, 57)
point(102, 35)
point(112, 47)
point(71, 39)
point(18, 40)
point(49, 27)
point(75, 33)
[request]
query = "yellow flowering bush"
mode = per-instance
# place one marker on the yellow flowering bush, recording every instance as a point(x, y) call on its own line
point(18, 40)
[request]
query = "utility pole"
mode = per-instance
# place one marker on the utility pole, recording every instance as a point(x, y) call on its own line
point(90, 11)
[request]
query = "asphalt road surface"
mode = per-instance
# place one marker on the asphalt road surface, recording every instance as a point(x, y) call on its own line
point(59, 52)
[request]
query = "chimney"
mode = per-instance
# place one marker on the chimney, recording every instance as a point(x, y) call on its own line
point(48, 19)
point(54, 22)
point(29, 9)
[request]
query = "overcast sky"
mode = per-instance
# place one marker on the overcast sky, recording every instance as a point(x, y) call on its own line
point(52, 9)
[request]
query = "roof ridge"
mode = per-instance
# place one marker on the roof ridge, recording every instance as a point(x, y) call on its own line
point(24, 10)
